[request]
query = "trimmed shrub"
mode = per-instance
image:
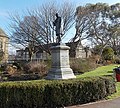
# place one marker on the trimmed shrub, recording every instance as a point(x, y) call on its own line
point(56, 93)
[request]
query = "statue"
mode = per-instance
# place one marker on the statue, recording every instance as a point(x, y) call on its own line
point(57, 24)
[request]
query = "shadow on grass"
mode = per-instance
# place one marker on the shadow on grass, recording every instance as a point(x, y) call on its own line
point(109, 71)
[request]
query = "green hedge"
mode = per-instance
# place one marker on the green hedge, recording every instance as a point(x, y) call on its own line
point(56, 93)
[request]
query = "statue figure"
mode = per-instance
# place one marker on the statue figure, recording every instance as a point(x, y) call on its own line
point(57, 24)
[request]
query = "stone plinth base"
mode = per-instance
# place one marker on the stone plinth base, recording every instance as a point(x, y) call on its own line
point(60, 63)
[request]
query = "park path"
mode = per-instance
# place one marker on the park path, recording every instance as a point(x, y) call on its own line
point(102, 104)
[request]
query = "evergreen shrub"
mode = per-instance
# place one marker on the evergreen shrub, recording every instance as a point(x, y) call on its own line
point(54, 93)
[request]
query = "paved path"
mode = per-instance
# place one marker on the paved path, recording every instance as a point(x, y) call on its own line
point(102, 104)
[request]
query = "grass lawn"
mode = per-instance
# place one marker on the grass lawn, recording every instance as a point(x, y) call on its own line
point(104, 70)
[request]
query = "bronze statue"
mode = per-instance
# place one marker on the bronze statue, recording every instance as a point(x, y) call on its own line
point(57, 24)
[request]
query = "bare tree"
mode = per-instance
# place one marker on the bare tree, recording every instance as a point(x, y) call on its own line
point(24, 33)
point(36, 28)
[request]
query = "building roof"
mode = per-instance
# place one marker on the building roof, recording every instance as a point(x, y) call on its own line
point(2, 33)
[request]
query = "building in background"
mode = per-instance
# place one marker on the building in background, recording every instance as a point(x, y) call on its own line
point(76, 51)
point(3, 46)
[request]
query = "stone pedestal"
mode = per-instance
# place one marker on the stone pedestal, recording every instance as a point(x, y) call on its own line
point(60, 63)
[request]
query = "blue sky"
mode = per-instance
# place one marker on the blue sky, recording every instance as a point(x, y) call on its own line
point(13, 6)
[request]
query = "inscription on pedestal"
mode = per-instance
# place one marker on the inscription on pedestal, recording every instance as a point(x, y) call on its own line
point(64, 61)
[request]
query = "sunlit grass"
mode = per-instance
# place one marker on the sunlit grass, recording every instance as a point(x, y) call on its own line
point(103, 70)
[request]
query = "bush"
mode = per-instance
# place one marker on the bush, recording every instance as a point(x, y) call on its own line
point(117, 60)
point(108, 53)
point(11, 69)
point(82, 65)
point(56, 93)
point(37, 68)
point(18, 65)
